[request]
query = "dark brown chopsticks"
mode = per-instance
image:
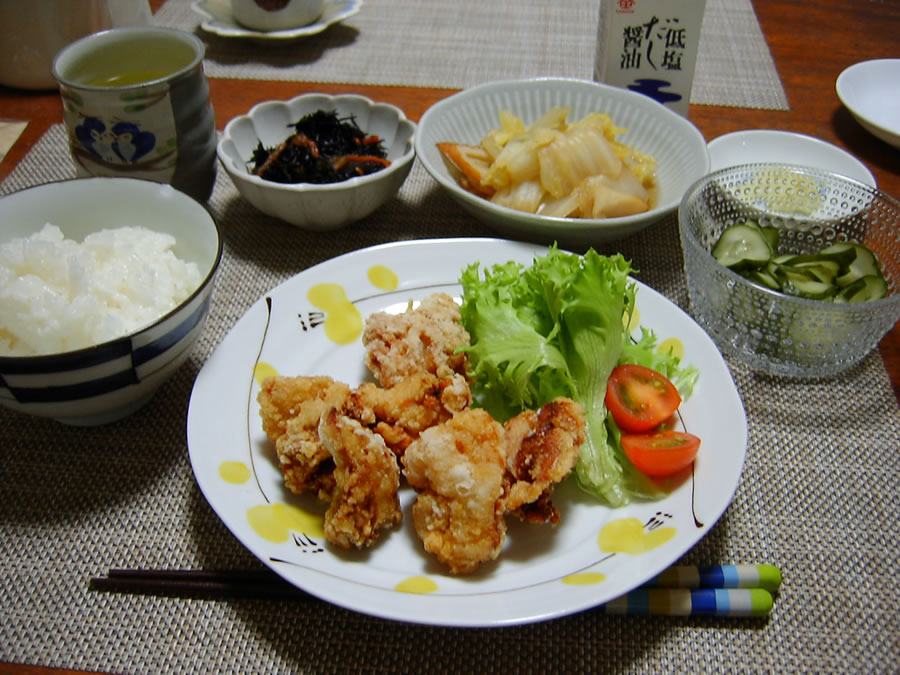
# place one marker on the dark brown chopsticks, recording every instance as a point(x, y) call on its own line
point(197, 582)
point(744, 590)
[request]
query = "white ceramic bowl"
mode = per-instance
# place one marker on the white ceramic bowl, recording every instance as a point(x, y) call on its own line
point(465, 117)
point(784, 147)
point(314, 206)
point(870, 90)
point(285, 15)
point(108, 381)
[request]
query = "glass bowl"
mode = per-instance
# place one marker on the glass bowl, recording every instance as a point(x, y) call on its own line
point(767, 330)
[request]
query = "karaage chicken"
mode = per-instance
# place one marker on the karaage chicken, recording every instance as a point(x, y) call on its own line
point(423, 339)
point(290, 408)
point(541, 450)
point(400, 413)
point(367, 479)
point(457, 470)
point(345, 446)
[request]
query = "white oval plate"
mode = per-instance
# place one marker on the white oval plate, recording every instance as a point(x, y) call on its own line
point(784, 147)
point(543, 572)
point(870, 90)
point(218, 19)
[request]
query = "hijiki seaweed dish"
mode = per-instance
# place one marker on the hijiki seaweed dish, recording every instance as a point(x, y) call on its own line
point(324, 148)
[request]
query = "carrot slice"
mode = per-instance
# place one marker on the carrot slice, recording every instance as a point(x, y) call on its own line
point(467, 164)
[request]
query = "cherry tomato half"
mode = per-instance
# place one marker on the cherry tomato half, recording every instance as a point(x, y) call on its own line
point(660, 453)
point(639, 398)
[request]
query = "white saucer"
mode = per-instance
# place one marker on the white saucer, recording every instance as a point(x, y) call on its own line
point(784, 147)
point(219, 20)
point(871, 92)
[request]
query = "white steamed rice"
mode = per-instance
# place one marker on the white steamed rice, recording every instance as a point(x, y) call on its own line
point(57, 295)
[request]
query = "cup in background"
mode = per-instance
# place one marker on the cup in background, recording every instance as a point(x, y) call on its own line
point(650, 46)
point(268, 15)
point(33, 32)
point(136, 104)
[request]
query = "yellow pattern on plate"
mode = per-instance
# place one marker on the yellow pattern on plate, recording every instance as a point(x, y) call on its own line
point(343, 322)
point(383, 277)
point(584, 579)
point(274, 522)
point(633, 323)
point(234, 472)
point(627, 535)
point(419, 585)
point(672, 346)
point(262, 371)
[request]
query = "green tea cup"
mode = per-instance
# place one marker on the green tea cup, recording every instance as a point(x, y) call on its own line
point(136, 104)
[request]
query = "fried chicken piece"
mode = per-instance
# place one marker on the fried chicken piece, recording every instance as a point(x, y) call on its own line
point(423, 339)
point(402, 412)
point(541, 450)
point(279, 400)
point(290, 408)
point(367, 478)
point(457, 469)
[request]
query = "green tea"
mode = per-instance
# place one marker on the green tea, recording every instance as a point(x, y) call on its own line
point(127, 79)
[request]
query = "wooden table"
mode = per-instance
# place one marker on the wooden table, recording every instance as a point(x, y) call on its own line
point(810, 42)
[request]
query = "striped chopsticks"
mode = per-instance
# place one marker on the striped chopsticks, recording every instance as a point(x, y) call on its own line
point(717, 590)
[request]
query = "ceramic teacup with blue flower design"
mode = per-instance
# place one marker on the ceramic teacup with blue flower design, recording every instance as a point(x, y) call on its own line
point(136, 104)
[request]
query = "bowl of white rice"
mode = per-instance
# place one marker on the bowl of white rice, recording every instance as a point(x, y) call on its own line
point(105, 285)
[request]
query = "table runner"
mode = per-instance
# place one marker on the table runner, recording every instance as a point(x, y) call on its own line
point(818, 497)
point(460, 44)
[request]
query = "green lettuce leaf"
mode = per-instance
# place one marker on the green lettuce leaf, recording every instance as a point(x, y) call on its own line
point(554, 329)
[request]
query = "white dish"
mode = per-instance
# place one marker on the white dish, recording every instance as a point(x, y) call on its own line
point(218, 19)
point(870, 90)
point(784, 147)
point(535, 576)
point(318, 206)
point(465, 117)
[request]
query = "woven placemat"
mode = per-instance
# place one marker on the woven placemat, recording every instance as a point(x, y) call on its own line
point(818, 497)
point(464, 43)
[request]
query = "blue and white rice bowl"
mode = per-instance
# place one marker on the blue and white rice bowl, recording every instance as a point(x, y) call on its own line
point(105, 382)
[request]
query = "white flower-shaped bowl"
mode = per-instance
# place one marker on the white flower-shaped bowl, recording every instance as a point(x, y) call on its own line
point(318, 206)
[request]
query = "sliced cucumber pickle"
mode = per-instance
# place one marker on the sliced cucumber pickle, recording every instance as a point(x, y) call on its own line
point(862, 264)
point(871, 287)
point(804, 284)
point(841, 258)
point(764, 279)
point(773, 236)
point(842, 272)
point(823, 270)
point(743, 246)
